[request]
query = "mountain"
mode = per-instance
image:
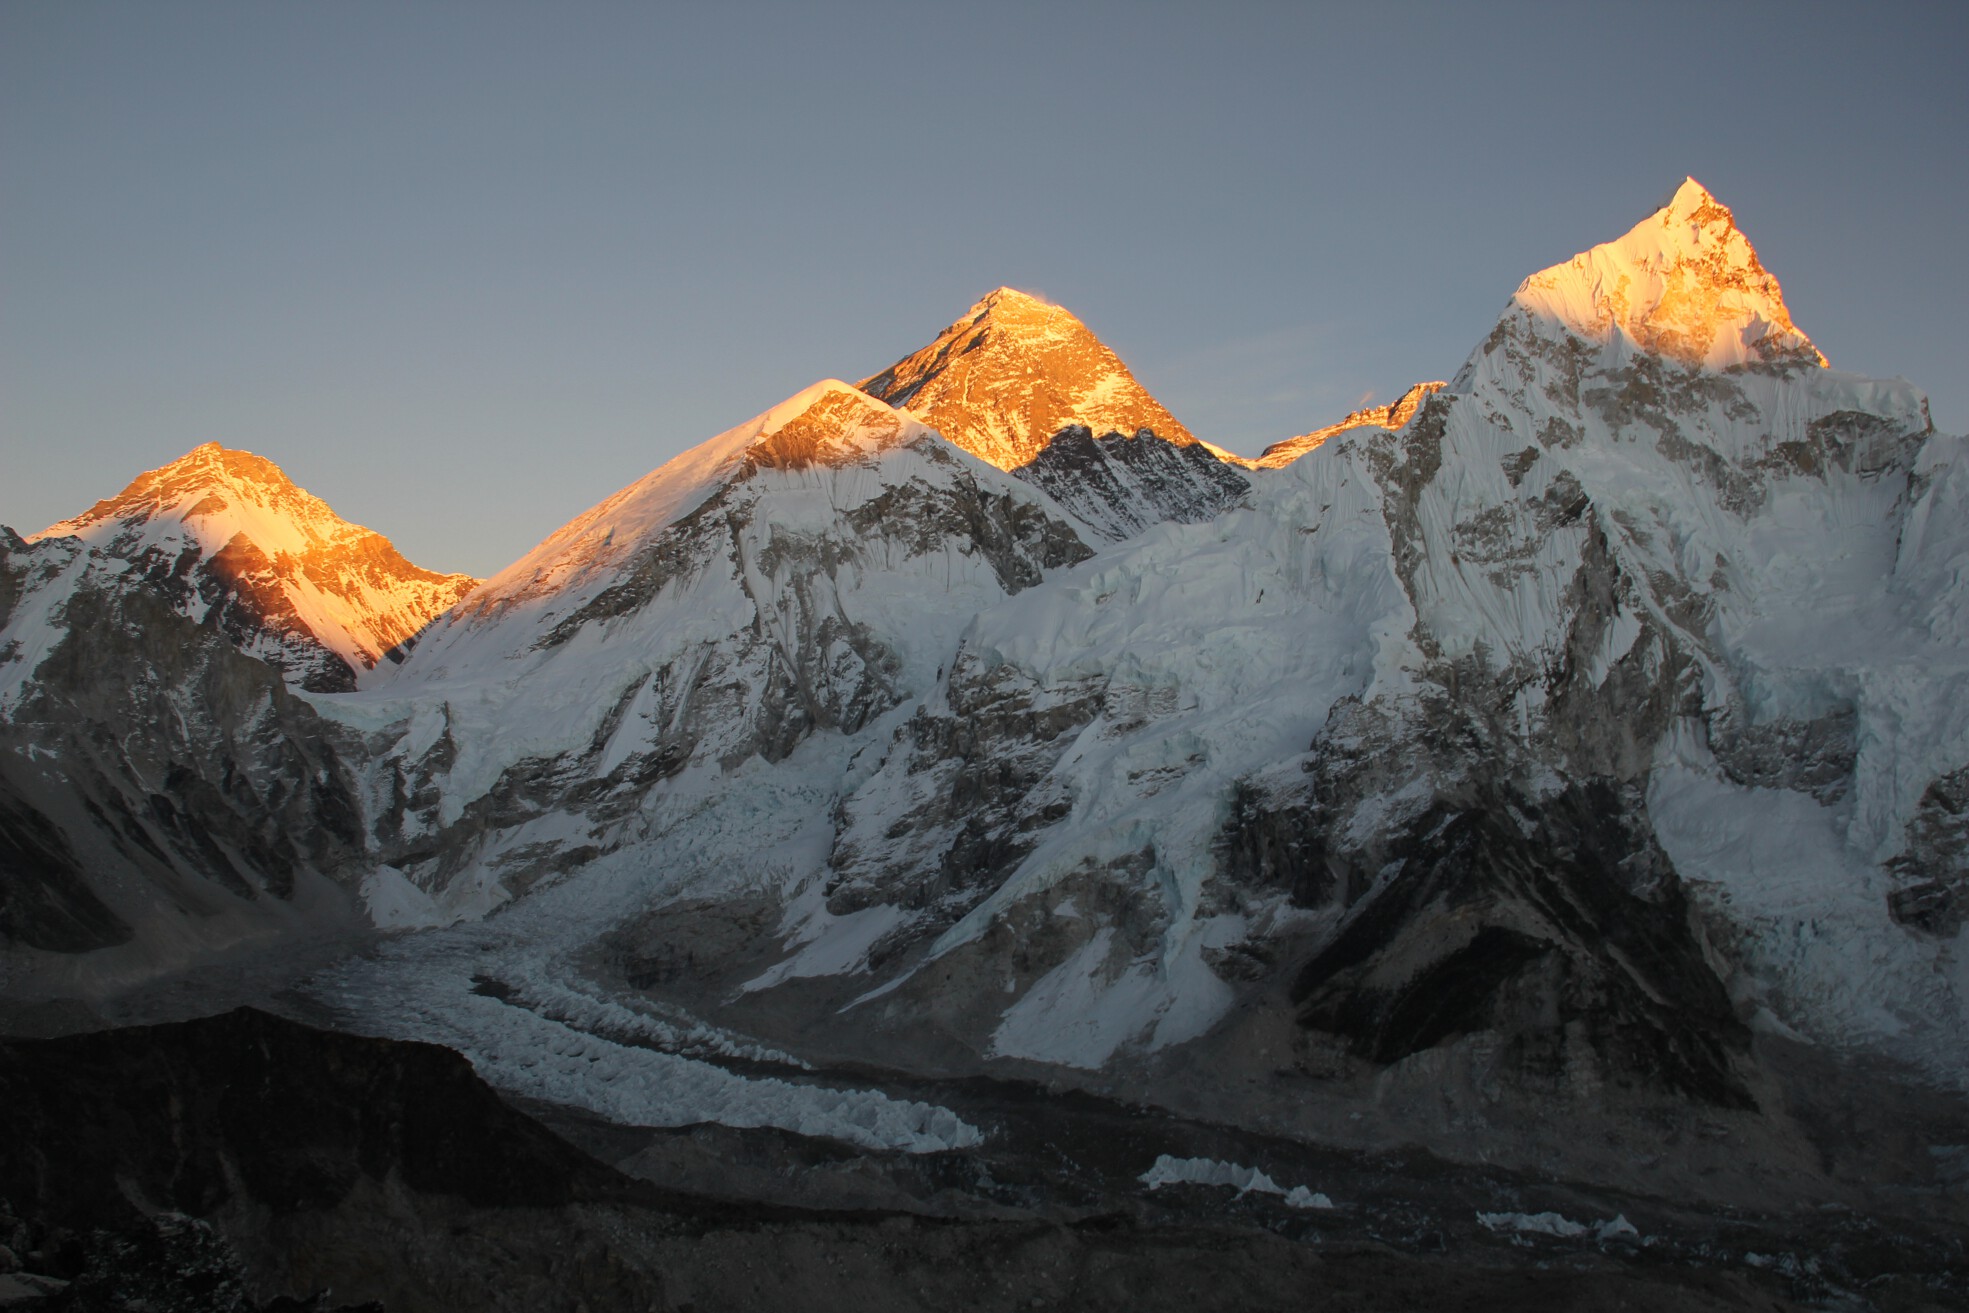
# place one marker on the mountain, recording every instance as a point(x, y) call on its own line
point(1684, 285)
point(1014, 371)
point(804, 572)
point(1565, 778)
point(241, 548)
point(1391, 416)
point(164, 792)
point(1459, 752)
point(164, 796)
point(1023, 384)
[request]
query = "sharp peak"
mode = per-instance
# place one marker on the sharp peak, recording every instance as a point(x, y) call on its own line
point(1687, 198)
point(822, 423)
point(1690, 218)
point(1012, 300)
point(1684, 282)
point(208, 469)
point(1007, 292)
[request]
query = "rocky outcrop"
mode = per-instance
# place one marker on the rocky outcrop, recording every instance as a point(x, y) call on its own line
point(1933, 870)
point(1391, 416)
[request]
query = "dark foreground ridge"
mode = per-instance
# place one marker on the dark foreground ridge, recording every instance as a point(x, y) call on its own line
point(245, 1162)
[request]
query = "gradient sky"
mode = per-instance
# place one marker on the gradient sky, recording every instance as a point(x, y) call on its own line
point(465, 269)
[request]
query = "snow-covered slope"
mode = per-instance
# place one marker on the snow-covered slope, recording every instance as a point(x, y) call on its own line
point(274, 568)
point(805, 571)
point(1118, 486)
point(1683, 284)
point(1615, 624)
point(162, 794)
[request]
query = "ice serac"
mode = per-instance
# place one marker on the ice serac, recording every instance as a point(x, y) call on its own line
point(239, 546)
point(1023, 384)
point(1391, 416)
point(802, 573)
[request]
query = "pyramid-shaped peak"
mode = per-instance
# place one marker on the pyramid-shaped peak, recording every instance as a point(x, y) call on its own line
point(206, 474)
point(1008, 313)
point(1684, 283)
point(1689, 199)
point(1012, 374)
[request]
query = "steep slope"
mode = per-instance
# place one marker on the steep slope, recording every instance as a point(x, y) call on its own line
point(1391, 416)
point(243, 549)
point(1684, 284)
point(162, 795)
point(1025, 385)
point(1118, 486)
point(803, 572)
point(1643, 534)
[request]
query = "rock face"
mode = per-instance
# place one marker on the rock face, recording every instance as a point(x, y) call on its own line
point(1391, 416)
point(1118, 486)
point(159, 789)
point(240, 548)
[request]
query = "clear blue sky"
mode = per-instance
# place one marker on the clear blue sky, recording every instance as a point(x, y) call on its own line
point(465, 269)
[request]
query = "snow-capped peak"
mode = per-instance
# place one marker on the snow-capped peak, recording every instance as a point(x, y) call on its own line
point(286, 576)
point(1014, 372)
point(287, 517)
point(828, 423)
point(1683, 283)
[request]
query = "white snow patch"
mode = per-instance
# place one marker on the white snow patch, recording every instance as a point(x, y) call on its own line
point(1557, 1224)
point(1212, 1171)
point(835, 945)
